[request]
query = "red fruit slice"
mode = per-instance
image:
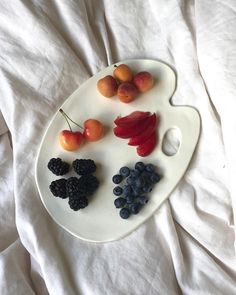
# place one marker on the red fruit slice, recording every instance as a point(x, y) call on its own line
point(134, 130)
point(148, 146)
point(141, 138)
point(132, 118)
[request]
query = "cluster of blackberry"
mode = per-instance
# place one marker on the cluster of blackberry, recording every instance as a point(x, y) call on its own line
point(138, 182)
point(76, 189)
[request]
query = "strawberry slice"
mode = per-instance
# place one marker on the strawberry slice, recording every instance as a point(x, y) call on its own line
point(148, 146)
point(132, 118)
point(133, 130)
point(142, 137)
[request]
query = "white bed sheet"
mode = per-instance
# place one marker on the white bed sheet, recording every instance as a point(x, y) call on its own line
point(48, 49)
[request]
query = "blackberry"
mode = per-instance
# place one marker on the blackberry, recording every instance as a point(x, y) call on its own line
point(75, 188)
point(90, 182)
point(77, 204)
point(58, 188)
point(117, 178)
point(58, 167)
point(83, 166)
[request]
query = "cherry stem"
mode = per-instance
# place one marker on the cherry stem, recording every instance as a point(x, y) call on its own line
point(68, 118)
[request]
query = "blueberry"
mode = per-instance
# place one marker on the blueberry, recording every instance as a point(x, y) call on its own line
point(137, 192)
point(119, 202)
point(135, 208)
point(140, 166)
point(155, 177)
point(127, 190)
point(124, 213)
point(150, 168)
point(146, 189)
point(130, 199)
point(124, 171)
point(143, 200)
point(134, 173)
point(117, 178)
point(130, 180)
point(117, 191)
point(139, 182)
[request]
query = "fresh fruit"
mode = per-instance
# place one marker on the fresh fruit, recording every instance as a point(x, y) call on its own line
point(123, 73)
point(124, 171)
point(140, 166)
point(117, 191)
point(133, 194)
point(134, 130)
point(93, 130)
point(107, 86)
point(127, 92)
point(141, 138)
point(117, 178)
point(84, 166)
point(77, 204)
point(119, 202)
point(70, 140)
point(124, 213)
point(131, 119)
point(143, 81)
point(148, 146)
point(58, 188)
point(58, 167)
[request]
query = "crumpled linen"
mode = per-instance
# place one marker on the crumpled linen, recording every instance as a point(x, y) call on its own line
point(48, 49)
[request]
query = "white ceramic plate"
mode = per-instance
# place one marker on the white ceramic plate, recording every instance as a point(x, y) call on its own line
point(100, 221)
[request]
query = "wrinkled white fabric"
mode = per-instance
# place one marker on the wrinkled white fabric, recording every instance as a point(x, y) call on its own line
point(48, 49)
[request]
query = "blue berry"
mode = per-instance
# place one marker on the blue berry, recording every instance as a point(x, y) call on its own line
point(140, 166)
point(130, 180)
point(155, 177)
point(135, 208)
point(124, 171)
point(150, 168)
point(119, 202)
point(134, 173)
point(117, 178)
point(143, 200)
point(127, 190)
point(117, 190)
point(136, 191)
point(124, 213)
point(139, 182)
point(146, 189)
point(130, 199)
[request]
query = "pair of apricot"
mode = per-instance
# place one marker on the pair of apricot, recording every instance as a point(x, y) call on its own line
point(124, 83)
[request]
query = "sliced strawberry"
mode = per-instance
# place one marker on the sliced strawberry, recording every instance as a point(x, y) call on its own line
point(132, 118)
point(134, 130)
point(142, 137)
point(148, 146)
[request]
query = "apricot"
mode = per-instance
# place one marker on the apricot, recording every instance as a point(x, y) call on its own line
point(107, 86)
point(143, 81)
point(127, 92)
point(123, 73)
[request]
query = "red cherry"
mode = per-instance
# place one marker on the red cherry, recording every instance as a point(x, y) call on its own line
point(70, 140)
point(93, 130)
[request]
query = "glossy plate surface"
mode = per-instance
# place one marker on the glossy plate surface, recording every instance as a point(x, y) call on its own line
point(100, 221)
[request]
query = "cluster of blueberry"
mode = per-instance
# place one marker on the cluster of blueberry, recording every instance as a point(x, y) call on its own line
point(137, 183)
point(76, 189)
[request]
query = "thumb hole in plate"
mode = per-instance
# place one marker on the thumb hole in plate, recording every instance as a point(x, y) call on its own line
point(171, 141)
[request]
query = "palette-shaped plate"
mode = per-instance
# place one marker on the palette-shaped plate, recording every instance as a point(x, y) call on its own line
point(100, 221)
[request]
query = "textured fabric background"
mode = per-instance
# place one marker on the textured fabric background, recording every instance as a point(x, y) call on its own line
point(48, 49)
